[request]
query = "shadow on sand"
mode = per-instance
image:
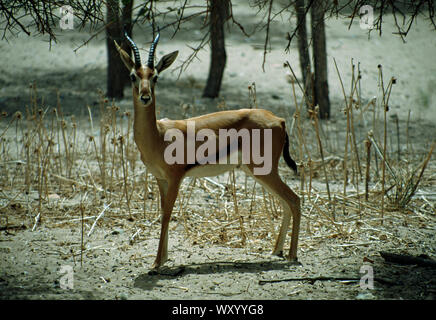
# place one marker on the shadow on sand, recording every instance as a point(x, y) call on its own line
point(150, 280)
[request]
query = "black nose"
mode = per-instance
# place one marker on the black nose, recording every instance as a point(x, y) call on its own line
point(145, 99)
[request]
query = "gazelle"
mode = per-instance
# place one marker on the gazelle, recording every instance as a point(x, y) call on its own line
point(149, 135)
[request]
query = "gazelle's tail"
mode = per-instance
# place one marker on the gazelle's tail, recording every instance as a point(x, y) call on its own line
point(289, 161)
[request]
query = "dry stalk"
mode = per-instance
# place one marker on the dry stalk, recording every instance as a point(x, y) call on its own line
point(397, 125)
point(73, 137)
point(253, 196)
point(368, 165)
point(130, 155)
point(409, 146)
point(384, 143)
point(385, 110)
point(184, 204)
point(114, 110)
point(252, 95)
point(14, 118)
point(82, 214)
point(144, 205)
point(125, 173)
point(67, 149)
point(380, 153)
point(405, 194)
point(236, 208)
point(355, 150)
point(337, 226)
point(27, 145)
point(300, 140)
point(310, 163)
point(59, 153)
point(104, 130)
point(347, 111)
point(316, 124)
point(273, 205)
point(265, 208)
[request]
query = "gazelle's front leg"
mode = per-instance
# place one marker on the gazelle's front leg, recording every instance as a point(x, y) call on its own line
point(163, 189)
point(168, 192)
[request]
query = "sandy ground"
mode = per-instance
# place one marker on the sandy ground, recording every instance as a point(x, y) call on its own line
point(32, 262)
point(113, 268)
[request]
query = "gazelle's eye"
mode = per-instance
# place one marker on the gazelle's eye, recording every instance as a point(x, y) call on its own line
point(133, 77)
point(154, 79)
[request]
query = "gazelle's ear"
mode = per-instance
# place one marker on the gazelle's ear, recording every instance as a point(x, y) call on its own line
point(125, 57)
point(166, 61)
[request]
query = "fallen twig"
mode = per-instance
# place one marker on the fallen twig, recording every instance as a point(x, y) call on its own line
point(77, 182)
point(36, 221)
point(99, 216)
point(421, 260)
point(73, 220)
point(132, 238)
point(313, 279)
point(214, 183)
point(21, 227)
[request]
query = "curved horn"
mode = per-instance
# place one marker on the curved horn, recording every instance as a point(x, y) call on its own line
point(150, 63)
point(135, 51)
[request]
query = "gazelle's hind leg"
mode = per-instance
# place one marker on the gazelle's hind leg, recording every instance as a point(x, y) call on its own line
point(291, 205)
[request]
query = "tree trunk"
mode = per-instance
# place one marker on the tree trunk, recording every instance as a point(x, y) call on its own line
point(321, 89)
point(117, 74)
point(218, 16)
point(126, 16)
point(303, 51)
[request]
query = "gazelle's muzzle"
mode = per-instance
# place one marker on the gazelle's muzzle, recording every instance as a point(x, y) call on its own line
point(146, 99)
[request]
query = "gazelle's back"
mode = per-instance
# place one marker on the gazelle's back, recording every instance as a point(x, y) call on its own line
point(242, 118)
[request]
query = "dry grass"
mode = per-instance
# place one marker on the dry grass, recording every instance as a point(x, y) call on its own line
point(86, 173)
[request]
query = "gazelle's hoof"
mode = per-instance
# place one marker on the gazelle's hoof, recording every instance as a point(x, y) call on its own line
point(278, 253)
point(159, 262)
point(293, 261)
point(156, 265)
point(167, 271)
point(152, 272)
point(155, 269)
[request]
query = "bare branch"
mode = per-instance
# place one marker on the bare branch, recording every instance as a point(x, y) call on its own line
point(267, 34)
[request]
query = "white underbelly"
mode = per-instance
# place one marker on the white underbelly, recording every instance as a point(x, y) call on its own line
point(210, 170)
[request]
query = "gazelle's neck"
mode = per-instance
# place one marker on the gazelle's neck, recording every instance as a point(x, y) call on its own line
point(144, 123)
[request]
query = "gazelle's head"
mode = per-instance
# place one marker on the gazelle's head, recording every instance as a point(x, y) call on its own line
point(144, 78)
